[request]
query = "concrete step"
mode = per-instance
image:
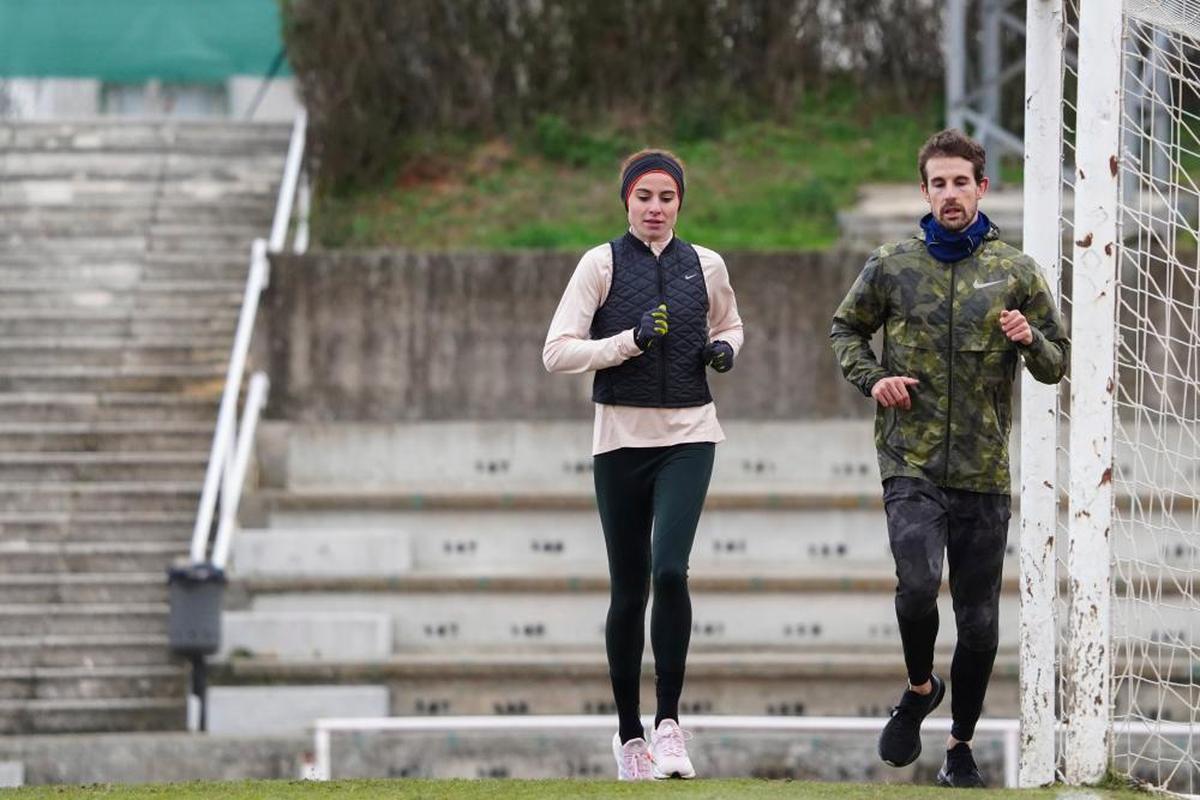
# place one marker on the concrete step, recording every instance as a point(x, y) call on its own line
point(107, 436)
point(87, 496)
point(479, 618)
point(515, 537)
point(61, 190)
point(99, 134)
point(150, 167)
point(581, 749)
point(75, 379)
point(511, 541)
point(24, 558)
point(128, 273)
point(320, 636)
point(51, 619)
point(774, 579)
point(553, 457)
point(159, 294)
point(752, 683)
point(117, 351)
point(121, 210)
point(202, 244)
point(110, 467)
point(288, 710)
point(88, 245)
point(132, 243)
point(74, 257)
point(84, 650)
point(98, 526)
point(94, 683)
point(140, 407)
point(86, 588)
point(740, 616)
point(26, 717)
point(49, 222)
point(66, 320)
point(553, 499)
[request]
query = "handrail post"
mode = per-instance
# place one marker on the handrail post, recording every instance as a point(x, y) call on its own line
point(232, 494)
point(291, 176)
point(227, 415)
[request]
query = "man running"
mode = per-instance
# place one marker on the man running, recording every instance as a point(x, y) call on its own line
point(960, 310)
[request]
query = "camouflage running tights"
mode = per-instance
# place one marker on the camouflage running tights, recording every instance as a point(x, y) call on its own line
point(970, 529)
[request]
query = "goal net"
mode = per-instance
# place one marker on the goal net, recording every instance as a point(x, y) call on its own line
point(1121, 582)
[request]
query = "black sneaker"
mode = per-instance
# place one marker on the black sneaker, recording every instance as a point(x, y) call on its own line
point(959, 770)
point(900, 742)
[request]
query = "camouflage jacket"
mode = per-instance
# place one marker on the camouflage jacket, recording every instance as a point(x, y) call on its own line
point(941, 325)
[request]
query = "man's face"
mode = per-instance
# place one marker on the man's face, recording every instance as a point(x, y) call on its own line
point(653, 207)
point(952, 192)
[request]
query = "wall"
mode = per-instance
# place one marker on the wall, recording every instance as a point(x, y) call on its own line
point(400, 335)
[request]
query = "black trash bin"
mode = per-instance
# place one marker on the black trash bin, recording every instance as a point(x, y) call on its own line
point(196, 592)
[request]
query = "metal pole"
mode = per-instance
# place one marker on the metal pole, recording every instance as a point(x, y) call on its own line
point(954, 47)
point(990, 52)
point(291, 176)
point(1162, 131)
point(199, 696)
point(1039, 407)
point(232, 493)
point(223, 438)
point(1093, 381)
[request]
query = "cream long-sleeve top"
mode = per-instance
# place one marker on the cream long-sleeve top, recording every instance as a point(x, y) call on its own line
point(569, 348)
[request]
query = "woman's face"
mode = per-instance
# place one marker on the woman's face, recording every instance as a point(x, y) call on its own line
point(653, 207)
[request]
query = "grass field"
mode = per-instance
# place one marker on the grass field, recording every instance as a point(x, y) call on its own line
point(751, 185)
point(543, 790)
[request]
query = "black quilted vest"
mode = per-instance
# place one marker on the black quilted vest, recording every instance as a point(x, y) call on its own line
point(670, 374)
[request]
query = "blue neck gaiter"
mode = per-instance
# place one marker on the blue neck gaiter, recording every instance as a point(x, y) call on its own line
point(949, 246)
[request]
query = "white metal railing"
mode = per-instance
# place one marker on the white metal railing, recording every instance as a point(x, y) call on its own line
point(230, 453)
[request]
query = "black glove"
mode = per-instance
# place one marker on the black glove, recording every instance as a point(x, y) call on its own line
point(719, 355)
point(652, 326)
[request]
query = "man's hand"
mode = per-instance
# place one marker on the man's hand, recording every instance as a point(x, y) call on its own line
point(719, 355)
point(893, 391)
point(652, 326)
point(1016, 327)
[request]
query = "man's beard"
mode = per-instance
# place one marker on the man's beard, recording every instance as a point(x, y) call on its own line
point(964, 221)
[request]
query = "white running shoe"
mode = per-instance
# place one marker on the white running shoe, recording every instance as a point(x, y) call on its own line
point(669, 753)
point(633, 759)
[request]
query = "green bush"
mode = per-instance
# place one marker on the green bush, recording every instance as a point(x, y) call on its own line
point(378, 76)
point(557, 140)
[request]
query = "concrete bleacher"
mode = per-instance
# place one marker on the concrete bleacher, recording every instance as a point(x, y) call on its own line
point(125, 253)
point(460, 566)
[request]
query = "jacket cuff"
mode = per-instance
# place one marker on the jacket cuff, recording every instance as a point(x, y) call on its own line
point(627, 344)
point(870, 382)
point(1038, 343)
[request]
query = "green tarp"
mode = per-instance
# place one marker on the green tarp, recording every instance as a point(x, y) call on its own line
point(135, 40)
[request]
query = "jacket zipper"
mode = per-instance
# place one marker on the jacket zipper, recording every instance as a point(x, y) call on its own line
point(950, 376)
point(662, 353)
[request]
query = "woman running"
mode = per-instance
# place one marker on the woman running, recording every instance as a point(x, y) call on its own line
point(647, 312)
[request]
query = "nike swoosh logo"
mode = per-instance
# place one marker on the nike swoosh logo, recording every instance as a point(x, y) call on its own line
point(689, 277)
point(979, 285)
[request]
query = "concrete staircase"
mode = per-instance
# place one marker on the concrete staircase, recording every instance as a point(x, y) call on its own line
point(125, 248)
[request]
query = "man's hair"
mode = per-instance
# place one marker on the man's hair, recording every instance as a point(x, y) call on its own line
point(952, 143)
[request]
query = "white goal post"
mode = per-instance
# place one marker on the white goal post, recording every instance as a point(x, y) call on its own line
point(1110, 465)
